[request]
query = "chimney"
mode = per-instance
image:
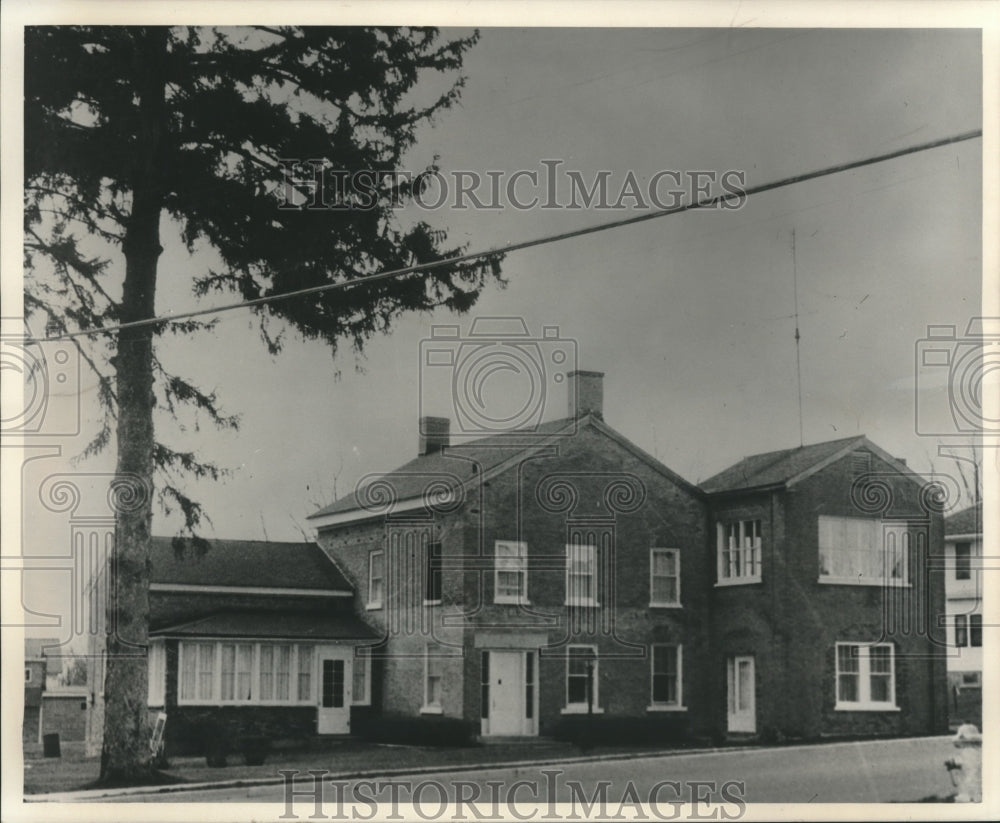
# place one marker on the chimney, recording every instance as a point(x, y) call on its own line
point(434, 434)
point(586, 393)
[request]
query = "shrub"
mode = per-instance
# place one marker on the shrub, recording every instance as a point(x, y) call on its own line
point(586, 731)
point(254, 748)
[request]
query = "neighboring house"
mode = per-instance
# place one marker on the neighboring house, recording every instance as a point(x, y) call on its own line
point(37, 652)
point(528, 577)
point(524, 578)
point(823, 600)
point(257, 636)
point(963, 546)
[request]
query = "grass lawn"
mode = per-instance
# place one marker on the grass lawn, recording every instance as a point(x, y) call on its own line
point(73, 771)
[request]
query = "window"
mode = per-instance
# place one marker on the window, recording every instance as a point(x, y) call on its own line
point(157, 671)
point(739, 551)
point(529, 685)
point(223, 672)
point(432, 680)
point(861, 463)
point(581, 675)
point(665, 688)
point(510, 578)
point(361, 677)
point(376, 579)
point(664, 577)
point(432, 573)
point(963, 561)
point(305, 669)
point(581, 575)
point(866, 678)
point(236, 672)
point(862, 551)
point(972, 679)
point(961, 630)
point(975, 630)
point(27, 675)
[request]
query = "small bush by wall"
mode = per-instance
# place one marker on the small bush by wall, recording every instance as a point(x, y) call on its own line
point(418, 731)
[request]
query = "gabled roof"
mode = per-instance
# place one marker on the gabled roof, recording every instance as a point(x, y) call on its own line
point(285, 625)
point(461, 465)
point(246, 563)
point(787, 466)
point(967, 521)
point(36, 648)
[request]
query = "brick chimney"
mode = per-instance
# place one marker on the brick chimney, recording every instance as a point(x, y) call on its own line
point(586, 393)
point(434, 434)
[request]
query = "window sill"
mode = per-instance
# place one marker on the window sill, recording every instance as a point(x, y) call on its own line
point(431, 710)
point(737, 581)
point(665, 606)
point(432, 602)
point(372, 607)
point(855, 581)
point(666, 708)
point(576, 709)
point(865, 707)
point(583, 604)
point(511, 601)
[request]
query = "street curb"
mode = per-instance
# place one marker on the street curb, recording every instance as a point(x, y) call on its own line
point(249, 782)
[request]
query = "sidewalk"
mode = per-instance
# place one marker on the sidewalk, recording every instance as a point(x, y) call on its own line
point(62, 779)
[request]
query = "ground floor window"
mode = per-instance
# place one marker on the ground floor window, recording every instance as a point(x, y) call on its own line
point(665, 687)
point(432, 679)
point(222, 672)
point(361, 694)
point(866, 676)
point(582, 679)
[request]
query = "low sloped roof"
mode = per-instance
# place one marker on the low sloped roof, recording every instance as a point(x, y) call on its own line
point(291, 625)
point(777, 467)
point(967, 521)
point(256, 563)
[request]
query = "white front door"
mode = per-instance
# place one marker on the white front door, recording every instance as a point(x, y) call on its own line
point(511, 692)
point(334, 713)
point(742, 714)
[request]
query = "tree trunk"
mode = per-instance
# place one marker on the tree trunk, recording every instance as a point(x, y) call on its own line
point(125, 757)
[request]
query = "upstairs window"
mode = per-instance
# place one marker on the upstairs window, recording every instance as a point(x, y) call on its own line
point(432, 573)
point(376, 579)
point(510, 578)
point(963, 561)
point(664, 577)
point(975, 630)
point(961, 630)
point(862, 551)
point(739, 551)
point(581, 575)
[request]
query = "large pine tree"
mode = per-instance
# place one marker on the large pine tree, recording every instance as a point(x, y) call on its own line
point(135, 132)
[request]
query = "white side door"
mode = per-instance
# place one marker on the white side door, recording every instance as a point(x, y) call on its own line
point(741, 687)
point(334, 693)
point(506, 693)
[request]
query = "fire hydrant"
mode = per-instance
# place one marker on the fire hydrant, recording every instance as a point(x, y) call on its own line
point(966, 770)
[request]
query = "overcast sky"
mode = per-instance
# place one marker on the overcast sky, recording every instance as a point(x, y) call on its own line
point(689, 316)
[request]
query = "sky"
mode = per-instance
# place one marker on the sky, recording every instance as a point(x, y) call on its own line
point(690, 317)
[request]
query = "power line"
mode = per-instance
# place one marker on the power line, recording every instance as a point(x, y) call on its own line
point(490, 255)
point(798, 361)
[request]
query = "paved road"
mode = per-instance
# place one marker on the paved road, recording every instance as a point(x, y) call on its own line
point(872, 771)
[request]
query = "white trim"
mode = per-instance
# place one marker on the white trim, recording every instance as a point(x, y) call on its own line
point(372, 605)
point(260, 590)
point(679, 660)
point(723, 547)
point(834, 540)
point(362, 662)
point(576, 708)
point(951, 538)
point(337, 518)
point(518, 564)
point(665, 604)
point(858, 581)
point(864, 702)
point(427, 707)
point(156, 687)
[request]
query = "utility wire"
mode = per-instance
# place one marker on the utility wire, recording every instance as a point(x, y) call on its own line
point(489, 255)
point(798, 361)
